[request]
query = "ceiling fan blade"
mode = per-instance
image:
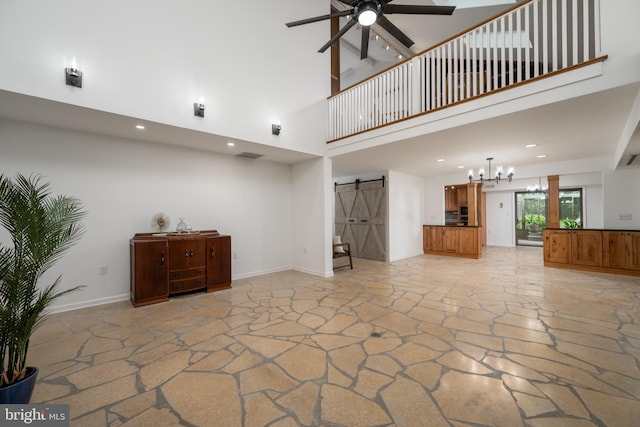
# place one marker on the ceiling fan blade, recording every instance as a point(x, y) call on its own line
point(419, 10)
point(349, 2)
point(394, 31)
point(339, 34)
point(319, 18)
point(364, 47)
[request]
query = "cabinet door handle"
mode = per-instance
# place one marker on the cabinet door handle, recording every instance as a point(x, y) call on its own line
point(186, 253)
point(191, 253)
point(213, 252)
point(162, 258)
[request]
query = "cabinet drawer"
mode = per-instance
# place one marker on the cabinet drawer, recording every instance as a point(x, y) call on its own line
point(187, 285)
point(186, 274)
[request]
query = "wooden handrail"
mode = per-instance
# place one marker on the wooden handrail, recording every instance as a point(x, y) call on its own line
point(535, 79)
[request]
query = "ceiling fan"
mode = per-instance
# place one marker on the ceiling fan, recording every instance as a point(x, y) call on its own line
point(368, 12)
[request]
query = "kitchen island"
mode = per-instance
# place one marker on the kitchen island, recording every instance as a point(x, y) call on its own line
point(451, 240)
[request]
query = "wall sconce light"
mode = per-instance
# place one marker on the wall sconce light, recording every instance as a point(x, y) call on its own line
point(73, 76)
point(198, 108)
point(275, 128)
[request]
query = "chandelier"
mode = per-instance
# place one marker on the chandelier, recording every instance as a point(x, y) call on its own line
point(488, 177)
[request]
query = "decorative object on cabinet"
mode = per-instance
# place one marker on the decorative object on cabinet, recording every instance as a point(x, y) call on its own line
point(182, 226)
point(491, 178)
point(160, 222)
point(41, 228)
point(162, 266)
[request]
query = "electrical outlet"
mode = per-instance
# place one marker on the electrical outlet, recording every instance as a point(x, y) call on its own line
point(104, 270)
point(235, 255)
point(625, 217)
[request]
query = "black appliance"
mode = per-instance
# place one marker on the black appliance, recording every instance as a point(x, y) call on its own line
point(464, 215)
point(451, 218)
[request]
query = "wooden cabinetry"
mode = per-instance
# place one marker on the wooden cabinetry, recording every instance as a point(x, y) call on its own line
point(187, 269)
point(176, 263)
point(149, 271)
point(450, 199)
point(432, 239)
point(453, 241)
point(462, 194)
point(218, 263)
point(468, 241)
point(621, 249)
point(557, 246)
point(450, 239)
point(634, 242)
point(586, 247)
point(609, 251)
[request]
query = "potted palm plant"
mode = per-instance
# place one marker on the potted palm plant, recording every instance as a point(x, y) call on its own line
point(40, 228)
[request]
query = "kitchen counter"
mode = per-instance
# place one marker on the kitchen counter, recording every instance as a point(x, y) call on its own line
point(464, 226)
point(601, 250)
point(452, 240)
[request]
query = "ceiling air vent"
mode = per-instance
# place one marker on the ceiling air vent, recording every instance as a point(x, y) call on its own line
point(248, 155)
point(633, 160)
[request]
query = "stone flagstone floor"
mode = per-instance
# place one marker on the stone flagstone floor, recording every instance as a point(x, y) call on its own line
point(426, 341)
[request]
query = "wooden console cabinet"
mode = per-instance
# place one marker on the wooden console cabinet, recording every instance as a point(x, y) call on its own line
point(606, 251)
point(174, 263)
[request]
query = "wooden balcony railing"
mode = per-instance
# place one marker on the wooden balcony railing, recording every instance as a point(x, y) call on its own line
point(532, 40)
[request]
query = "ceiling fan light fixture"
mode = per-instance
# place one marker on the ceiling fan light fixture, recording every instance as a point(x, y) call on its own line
point(367, 17)
point(367, 12)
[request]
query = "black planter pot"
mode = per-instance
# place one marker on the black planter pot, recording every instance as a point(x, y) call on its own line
point(20, 392)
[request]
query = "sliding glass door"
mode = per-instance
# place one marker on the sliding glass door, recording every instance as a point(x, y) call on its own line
point(531, 217)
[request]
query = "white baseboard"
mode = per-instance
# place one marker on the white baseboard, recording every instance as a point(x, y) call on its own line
point(88, 303)
point(125, 297)
point(259, 273)
point(313, 272)
point(404, 257)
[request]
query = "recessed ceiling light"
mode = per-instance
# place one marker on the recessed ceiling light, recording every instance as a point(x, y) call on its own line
point(540, 156)
point(230, 144)
point(141, 127)
point(440, 160)
point(461, 167)
point(530, 145)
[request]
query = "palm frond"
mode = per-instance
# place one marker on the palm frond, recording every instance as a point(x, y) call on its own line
point(42, 228)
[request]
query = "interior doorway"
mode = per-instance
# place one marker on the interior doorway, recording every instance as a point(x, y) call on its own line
point(531, 217)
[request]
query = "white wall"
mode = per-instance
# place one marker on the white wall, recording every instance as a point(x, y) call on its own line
point(122, 183)
point(152, 59)
point(593, 207)
point(312, 223)
point(500, 219)
point(622, 197)
point(405, 196)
